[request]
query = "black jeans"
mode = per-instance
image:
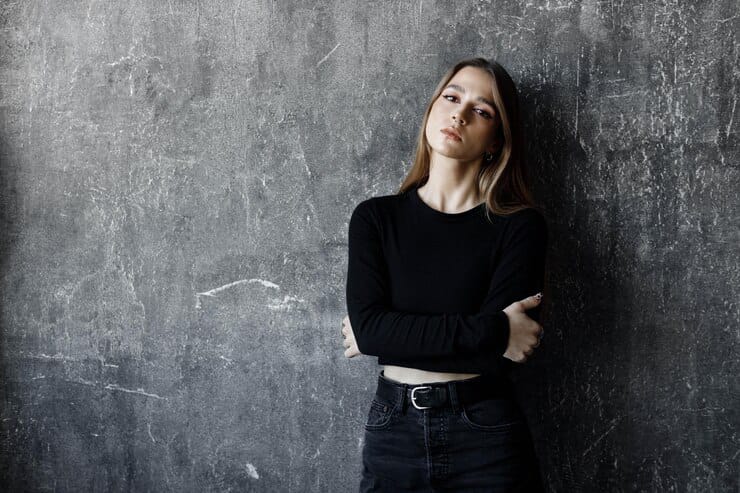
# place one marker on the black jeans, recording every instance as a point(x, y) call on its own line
point(480, 447)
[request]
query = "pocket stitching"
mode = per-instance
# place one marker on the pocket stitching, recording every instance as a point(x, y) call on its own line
point(376, 404)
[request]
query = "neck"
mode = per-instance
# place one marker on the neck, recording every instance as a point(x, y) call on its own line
point(452, 185)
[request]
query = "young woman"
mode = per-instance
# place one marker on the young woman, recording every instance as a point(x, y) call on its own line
point(439, 278)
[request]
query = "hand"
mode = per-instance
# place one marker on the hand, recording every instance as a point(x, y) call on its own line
point(524, 333)
point(349, 339)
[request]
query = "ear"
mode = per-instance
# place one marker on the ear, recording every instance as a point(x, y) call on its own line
point(495, 146)
point(496, 143)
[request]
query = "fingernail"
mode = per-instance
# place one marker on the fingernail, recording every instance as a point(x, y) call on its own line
point(538, 296)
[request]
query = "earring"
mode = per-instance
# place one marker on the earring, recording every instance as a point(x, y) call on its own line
point(487, 156)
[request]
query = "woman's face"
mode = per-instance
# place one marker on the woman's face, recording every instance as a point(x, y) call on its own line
point(466, 105)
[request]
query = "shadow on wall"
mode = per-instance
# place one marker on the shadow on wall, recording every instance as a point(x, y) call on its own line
point(561, 388)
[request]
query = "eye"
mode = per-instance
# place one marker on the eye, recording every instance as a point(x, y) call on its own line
point(481, 112)
point(485, 114)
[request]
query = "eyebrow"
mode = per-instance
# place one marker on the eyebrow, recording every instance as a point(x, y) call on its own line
point(480, 98)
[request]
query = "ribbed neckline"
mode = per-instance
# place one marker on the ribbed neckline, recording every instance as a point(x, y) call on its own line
point(429, 211)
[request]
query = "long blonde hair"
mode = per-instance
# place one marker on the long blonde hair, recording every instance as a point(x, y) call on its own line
point(503, 179)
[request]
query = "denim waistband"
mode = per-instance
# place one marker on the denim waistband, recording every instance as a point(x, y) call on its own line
point(458, 392)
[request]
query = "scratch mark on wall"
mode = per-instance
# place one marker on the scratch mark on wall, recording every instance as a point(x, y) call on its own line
point(81, 381)
point(327, 55)
point(628, 93)
point(212, 292)
point(613, 424)
point(62, 357)
point(50, 356)
point(578, 85)
point(149, 430)
point(285, 304)
point(732, 116)
point(112, 386)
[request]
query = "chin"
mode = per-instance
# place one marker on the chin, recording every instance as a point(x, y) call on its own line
point(449, 149)
point(451, 155)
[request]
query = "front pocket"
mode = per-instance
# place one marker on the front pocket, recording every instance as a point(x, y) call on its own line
point(495, 415)
point(379, 415)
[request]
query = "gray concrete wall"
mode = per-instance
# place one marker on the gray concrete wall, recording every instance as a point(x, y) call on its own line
point(177, 177)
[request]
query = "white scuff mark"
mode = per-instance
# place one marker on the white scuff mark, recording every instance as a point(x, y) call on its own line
point(103, 363)
point(722, 21)
point(140, 391)
point(732, 116)
point(578, 83)
point(327, 55)
point(131, 57)
point(226, 359)
point(40, 376)
point(212, 292)
point(628, 93)
point(59, 356)
point(252, 471)
point(613, 424)
point(81, 381)
point(700, 409)
point(285, 304)
point(74, 72)
point(113, 386)
point(149, 430)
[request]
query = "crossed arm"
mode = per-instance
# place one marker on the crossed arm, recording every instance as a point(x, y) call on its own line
point(381, 331)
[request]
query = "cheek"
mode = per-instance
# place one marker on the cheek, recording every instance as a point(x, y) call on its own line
point(440, 109)
point(433, 114)
point(433, 122)
point(486, 131)
point(429, 130)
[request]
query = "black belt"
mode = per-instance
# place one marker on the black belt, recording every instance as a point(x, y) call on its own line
point(437, 394)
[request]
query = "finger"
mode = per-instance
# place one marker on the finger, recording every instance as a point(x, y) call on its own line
point(531, 301)
point(538, 336)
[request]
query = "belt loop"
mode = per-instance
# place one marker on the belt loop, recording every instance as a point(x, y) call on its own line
point(452, 391)
point(403, 399)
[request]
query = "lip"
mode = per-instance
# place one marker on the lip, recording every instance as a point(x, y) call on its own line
point(451, 132)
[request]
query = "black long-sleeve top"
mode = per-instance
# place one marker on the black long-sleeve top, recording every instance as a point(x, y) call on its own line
point(426, 289)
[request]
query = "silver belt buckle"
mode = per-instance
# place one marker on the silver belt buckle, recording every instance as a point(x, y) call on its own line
point(413, 397)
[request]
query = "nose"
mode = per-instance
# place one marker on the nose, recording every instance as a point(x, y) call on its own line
point(457, 117)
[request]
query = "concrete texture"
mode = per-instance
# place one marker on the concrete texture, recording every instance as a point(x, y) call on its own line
point(177, 177)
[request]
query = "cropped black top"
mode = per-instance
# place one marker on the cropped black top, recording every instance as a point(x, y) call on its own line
point(426, 289)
